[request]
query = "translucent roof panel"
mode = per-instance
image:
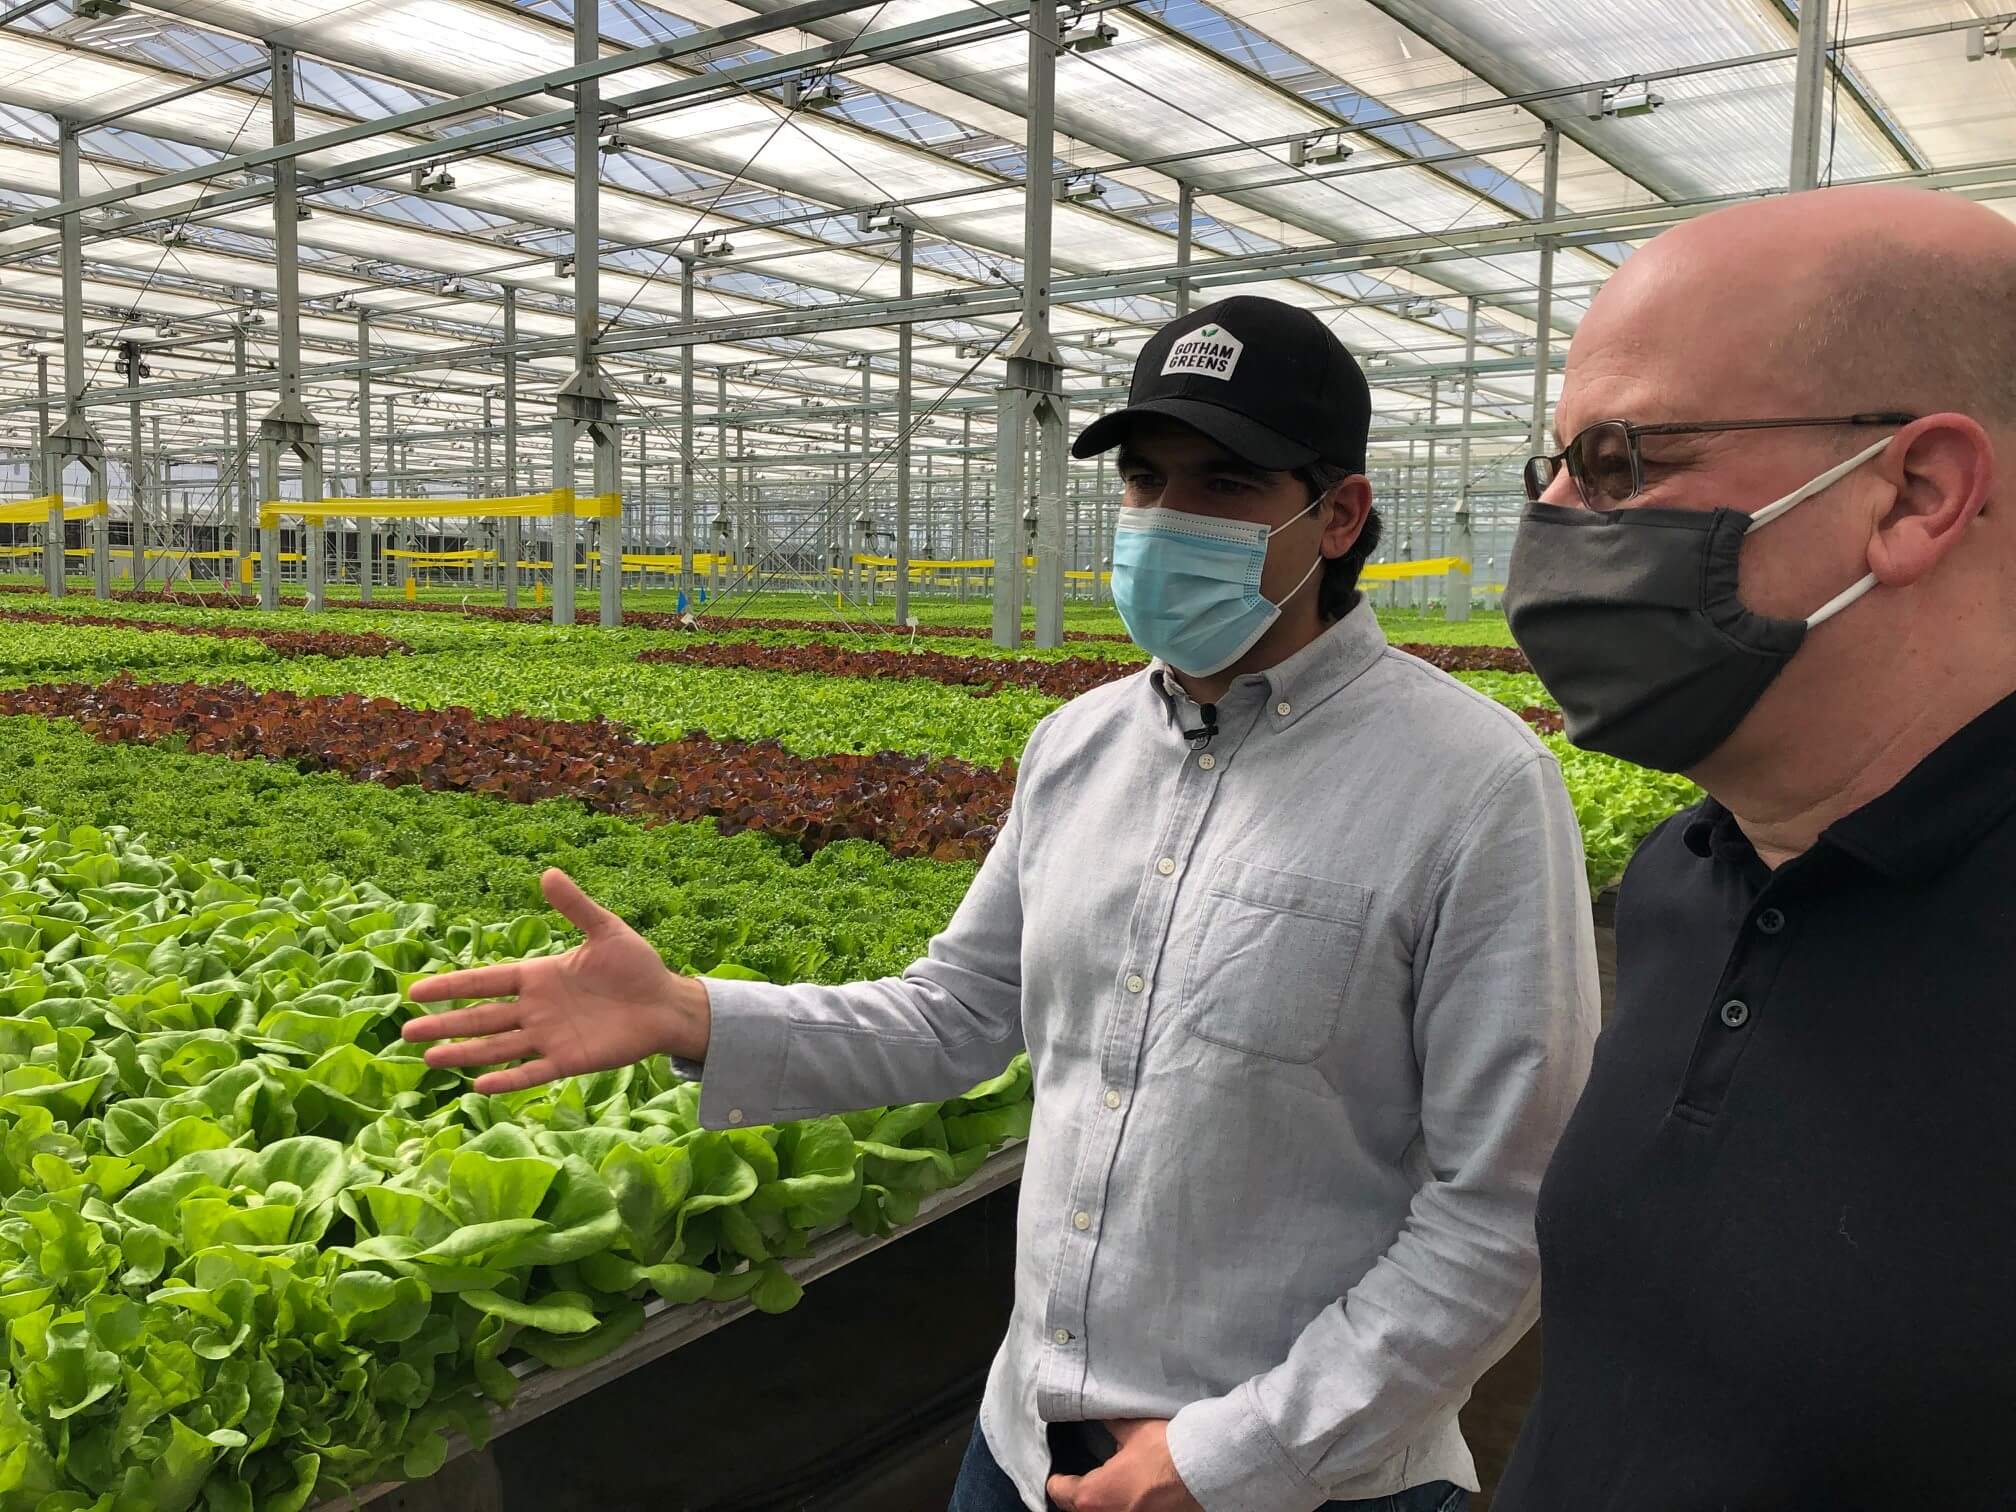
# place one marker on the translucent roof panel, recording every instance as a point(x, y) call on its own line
point(1388, 64)
point(1720, 132)
point(1953, 110)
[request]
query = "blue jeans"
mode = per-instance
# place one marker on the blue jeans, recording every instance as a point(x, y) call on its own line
point(983, 1486)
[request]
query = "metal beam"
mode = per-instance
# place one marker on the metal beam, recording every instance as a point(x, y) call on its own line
point(251, 70)
point(1983, 181)
point(686, 270)
point(595, 68)
point(136, 523)
point(1809, 96)
point(513, 532)
point(1544, 333)
point(367, 554)
point(907, 288)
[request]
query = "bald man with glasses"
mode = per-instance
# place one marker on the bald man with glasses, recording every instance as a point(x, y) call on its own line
point(1776, 1237)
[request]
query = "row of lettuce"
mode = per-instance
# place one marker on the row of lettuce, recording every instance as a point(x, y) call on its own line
point(501, 668)
point(256, 1252)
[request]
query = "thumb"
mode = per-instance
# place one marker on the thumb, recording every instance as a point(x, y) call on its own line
point(575, 906)
point(1063, 1490)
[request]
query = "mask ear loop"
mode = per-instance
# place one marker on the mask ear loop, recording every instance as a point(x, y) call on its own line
point(1826, 480)
point(1313, 566)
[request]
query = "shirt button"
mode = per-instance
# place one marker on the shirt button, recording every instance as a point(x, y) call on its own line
point(1284, 708)
point(1081, 1221)
point(1166, 866)
point(734, 1115)
point(1112, 1098)
point(1771, 921)
point(1062, 1336)
point(1136, 982)
point(1207, 761)
point(1735, 1013)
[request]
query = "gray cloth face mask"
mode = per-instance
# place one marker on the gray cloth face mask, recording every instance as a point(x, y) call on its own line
point(1632, 621)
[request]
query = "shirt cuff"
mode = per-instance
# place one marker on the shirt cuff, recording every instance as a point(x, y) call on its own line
point(1230, 1460)
point(748, 1027)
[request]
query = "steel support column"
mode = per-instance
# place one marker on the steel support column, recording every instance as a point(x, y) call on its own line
point(907, 249)
point(288, 426)
point(1462, 540)
point(398, 534)
point(367, 536)
point(1186, 215)
point(965, 501)
point(1102, 533)
point(1029, 501)
point(1417, 588)
point(74, 440)
point(38, 484)
point(686, 265)
point(486, 575)
point(246, 534)
point(1543, 329)
point(863, 534)
point(514, 546)
point(136, 470)
point(584, 404)
point(1809, 96)
point(722, 537)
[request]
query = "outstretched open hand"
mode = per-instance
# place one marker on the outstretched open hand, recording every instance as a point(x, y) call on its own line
point(608, 1002)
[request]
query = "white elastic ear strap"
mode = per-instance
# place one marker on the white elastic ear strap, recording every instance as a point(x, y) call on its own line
point(1825, 481)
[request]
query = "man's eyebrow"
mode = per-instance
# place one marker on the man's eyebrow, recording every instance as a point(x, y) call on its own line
point(1130, 458)
point(1239, 467)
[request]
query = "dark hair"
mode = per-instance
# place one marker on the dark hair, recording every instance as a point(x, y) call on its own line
point(1340, 574)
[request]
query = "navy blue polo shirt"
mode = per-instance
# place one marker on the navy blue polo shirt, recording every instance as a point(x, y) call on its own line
point(1778, 1239)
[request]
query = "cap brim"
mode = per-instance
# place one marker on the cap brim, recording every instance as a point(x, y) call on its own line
point(1246, 439)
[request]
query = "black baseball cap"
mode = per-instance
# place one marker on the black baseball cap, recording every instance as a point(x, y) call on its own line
point(1265, 380)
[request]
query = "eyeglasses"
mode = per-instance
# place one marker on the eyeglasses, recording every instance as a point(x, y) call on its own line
point(1604, 462)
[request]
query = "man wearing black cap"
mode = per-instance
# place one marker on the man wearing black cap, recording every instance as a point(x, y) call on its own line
point(1296, 933)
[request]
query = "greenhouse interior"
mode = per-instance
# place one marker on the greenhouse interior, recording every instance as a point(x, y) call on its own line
point(447, 441)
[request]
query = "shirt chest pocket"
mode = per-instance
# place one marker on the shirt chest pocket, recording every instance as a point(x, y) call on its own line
point(1272, 963)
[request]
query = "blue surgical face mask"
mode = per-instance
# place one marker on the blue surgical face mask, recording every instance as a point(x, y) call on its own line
point(1188, 586)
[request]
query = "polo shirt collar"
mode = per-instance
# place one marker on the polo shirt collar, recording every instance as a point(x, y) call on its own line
point(1935, 814)
point(1943, 806)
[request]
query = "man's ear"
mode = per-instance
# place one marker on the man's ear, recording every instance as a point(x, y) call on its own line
point(1350, 504)
point(1943, 469)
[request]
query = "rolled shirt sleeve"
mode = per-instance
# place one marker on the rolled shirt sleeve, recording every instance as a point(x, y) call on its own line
point(1506, 1013)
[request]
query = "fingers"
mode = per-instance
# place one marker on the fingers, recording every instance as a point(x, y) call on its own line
point(575, 906)
point(532, 1074)
point(462, 1023)
point(477, 982)
point(491, 1050)
point(1063, 1490)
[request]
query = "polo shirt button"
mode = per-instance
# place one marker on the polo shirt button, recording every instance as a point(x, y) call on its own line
point(1771, 921)
point(1081, 1221)
point(1062, 1336)
point(1207, 761)
point(1735, 1013)
point(734, 1115)
point(1284, 708)
point(1136, 982)
point(1166, 866)
point(1113, 1097)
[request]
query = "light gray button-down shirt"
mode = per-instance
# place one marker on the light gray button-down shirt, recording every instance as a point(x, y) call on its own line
point(1307, 1008)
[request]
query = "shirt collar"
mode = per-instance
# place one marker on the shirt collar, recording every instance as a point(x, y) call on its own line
point(1320, 670)
point(1935, 814)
